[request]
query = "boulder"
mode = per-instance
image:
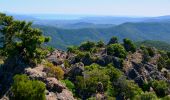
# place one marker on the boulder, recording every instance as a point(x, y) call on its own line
point(65, 95)
point(36, 73)
point(132, 74)
point(77, 70)
point(139, 80)
point(53, 85)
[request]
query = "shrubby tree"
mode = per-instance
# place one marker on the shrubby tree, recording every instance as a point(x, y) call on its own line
point(100, 44)
point(146, 96)
point(69, 85)
point(25, 89)
point(160, 87)
point(54, 71)
point(128, 45)
point(116, 50)
point(87, 46)
point(127, 88)
point(20, 41)
point(113, 40)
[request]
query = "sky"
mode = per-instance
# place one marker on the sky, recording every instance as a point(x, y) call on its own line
point(88, 7)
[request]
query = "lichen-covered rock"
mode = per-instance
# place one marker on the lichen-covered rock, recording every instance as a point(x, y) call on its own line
point(36, 73)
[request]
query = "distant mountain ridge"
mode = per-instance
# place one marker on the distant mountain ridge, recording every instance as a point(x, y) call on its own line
point(62, 38)
point(52, 19)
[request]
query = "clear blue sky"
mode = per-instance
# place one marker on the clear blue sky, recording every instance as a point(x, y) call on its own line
point(90, 7)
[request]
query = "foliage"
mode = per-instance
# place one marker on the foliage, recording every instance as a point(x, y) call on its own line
point(116, 50)
point(100, 44)
point(87, 46)
point(128, 45)
point(165, 98)
point(69, 85)
point(19, 39)
point(161, 63)
point(92, 76)
point(160, 87)
point(25, 89)
point(54, 71)
point(127, 88)
point(113, 40)
point(160, 45)
point(113, 72)
point(146, 96)
point(72, 49)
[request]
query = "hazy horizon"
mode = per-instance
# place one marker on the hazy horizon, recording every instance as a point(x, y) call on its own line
point(144, 8)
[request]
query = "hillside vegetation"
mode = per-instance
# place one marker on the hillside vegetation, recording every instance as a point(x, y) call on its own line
point(90, 71)
point(61, 38)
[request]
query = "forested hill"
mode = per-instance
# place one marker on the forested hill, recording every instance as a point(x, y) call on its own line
point(61, 38)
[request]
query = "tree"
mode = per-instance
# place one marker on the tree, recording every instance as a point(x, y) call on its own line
point(20, 41)
point(87, 46)
point(146, 96)
point(160, 87)
point(100, 44)
point(116, 50)
point(128, 45)
point(113, 40)
point(25, 89)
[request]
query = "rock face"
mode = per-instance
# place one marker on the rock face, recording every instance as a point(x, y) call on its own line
point(57, 57)
point(55, 89)
point(77, 70)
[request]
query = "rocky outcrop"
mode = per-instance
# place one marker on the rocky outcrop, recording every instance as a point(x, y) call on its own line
point(57, 57)
point(55, 89)
point(77, 70)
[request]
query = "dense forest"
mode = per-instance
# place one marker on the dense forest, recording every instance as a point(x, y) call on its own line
point(63, 37)
point(116, 70)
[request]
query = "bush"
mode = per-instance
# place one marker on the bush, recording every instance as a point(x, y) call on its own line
point(54, 71)
point(69, 85)
point(113, 72)
point(160, 87)
point(72, 49)
point(87, 46)
point(113, 40)
point(161, 63)
point(165, 98)
point(127, 88)
point(92, 76)
point(146, 96)
point(25, 89)
point(129, 46)
point(168, 64)
point(116, 50)
point(100, 44)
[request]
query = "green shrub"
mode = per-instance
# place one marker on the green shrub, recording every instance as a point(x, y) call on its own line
point(87, 46)
point(25, 89)
point(54, 71)
point(72, 49)
point(161, 63)
point(146, 96)
point(116, 50)
point(128, 88)
point(100, 44)
point(113, 40)
point(165, 98)
point(113, 72)
point(168, 64)
point(160, 87)
point(129, 46)
point(69, 85)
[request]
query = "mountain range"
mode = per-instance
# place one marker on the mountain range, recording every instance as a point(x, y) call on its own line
point(72, 30)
